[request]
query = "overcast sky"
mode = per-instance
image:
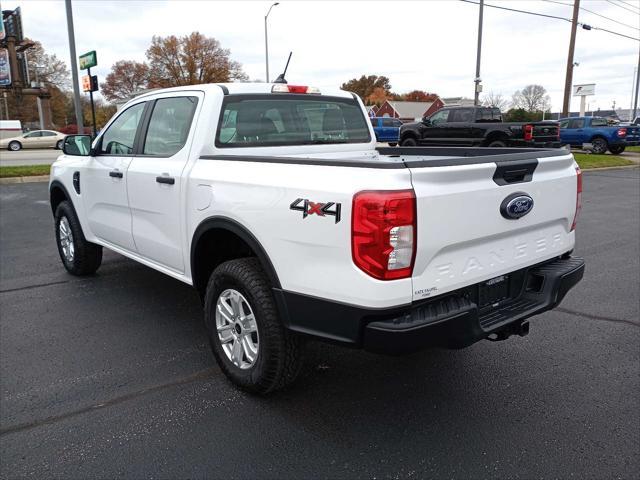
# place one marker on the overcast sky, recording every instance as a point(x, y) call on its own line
point(426, 45)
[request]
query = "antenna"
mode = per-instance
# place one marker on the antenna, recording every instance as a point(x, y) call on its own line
point(281, 78)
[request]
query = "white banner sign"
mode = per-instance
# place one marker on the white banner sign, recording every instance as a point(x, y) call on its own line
point(584, 90)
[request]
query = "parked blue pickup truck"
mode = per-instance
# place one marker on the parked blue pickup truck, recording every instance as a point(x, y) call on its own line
point(387, 129)
point(577, 131)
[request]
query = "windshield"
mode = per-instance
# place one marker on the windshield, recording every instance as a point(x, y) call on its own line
point(276, 120)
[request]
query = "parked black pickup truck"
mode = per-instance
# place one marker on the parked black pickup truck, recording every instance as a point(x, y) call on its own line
point(478, 126)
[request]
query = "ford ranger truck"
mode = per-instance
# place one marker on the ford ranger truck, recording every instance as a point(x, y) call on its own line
point(274, 203)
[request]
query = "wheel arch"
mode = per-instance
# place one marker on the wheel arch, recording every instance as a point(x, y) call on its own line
point(57, 194)
point(224, 231)
point(496, 135)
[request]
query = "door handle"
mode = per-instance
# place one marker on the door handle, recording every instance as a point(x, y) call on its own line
point(116, 174)
point(166, 180)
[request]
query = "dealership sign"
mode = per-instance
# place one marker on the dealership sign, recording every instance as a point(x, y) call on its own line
point(88, 60)
point(584, 90)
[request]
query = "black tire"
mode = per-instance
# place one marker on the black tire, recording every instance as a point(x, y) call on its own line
point(393, 144)
point(280, 353)
point(600, 145)
point(86, 256)
point(409, 142)
point(59, 144)
point(617, 149)
point(497, 144)
point(14, 146)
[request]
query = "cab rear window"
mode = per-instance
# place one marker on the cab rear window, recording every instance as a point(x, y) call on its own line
point(278, 120)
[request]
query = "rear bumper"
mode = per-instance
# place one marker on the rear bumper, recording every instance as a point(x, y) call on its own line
point(452, 320)
point(536, 144)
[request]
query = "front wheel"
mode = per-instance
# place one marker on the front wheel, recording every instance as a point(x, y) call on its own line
point(248, 339)
point(409, 142)
point(393, 144)
point(59, 144)
point(15, 146)
point(599, 145)
point(78, 256)
point(617, 149)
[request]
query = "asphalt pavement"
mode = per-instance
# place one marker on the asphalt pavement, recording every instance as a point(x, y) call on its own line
point(28, 157)
point(111, 376)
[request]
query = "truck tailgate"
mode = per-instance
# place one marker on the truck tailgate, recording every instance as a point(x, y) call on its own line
point(463, 238)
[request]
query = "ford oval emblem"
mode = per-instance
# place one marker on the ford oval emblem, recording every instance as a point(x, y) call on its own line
point(516, 205)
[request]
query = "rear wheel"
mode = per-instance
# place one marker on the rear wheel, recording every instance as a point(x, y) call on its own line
point(497, 144)
point(617, 149)
point(600, 145)
point(409, 142)
point(15, 146)
point(247, 337)
point(393, 144)
point(78, 256)
point(59, 144)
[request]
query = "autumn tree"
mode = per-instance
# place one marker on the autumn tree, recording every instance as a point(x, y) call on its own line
point(419, 96)
point(495, 100)
point(189, 60)
point(46, 68)
point(366, 84)
point(532, 98)
point(125, 79)
point(377, 97)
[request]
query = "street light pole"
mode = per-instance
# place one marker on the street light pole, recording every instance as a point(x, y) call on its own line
point(74, 67)
point(477, 79)
point(266, 41)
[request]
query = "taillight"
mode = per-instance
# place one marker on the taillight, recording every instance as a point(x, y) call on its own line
point(578, 198)
point(284, 88)
point(528, 132)
point(383, 233)
point(622, 132)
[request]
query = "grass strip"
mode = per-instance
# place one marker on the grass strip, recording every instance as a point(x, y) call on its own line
point(24, 171)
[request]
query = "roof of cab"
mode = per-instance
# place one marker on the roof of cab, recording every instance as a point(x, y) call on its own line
point(236, 89)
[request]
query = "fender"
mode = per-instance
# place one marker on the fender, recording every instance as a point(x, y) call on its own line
point(225, 223)
point(60, 185)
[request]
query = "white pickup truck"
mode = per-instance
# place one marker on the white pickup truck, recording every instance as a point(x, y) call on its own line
point(273, 201)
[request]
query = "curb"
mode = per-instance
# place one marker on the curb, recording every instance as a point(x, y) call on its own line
point(31, 179)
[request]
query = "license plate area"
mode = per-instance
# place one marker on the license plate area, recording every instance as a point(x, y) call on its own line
point(494, 291)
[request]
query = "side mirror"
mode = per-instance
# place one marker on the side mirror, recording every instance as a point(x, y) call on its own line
point(426, 122)
point(77, 145)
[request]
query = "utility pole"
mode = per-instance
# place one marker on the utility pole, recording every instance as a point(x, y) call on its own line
point(74, 67)
point(266, 41)
point(572, 45)
point(477, 79)
point(635, 101)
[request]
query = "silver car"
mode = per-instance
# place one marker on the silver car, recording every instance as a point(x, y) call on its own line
point(34, 139)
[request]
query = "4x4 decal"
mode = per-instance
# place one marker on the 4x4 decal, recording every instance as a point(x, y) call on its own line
point(308, 207)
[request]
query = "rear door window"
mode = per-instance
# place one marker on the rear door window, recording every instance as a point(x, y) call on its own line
point(387, 122)
point(461, 115)
point(576, 123)
point(169, 125)
point(599, 122)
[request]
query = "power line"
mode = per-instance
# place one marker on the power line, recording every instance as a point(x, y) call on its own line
point(593, 13)
point(583, 25)
point(631, 5)
point(625, 8)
